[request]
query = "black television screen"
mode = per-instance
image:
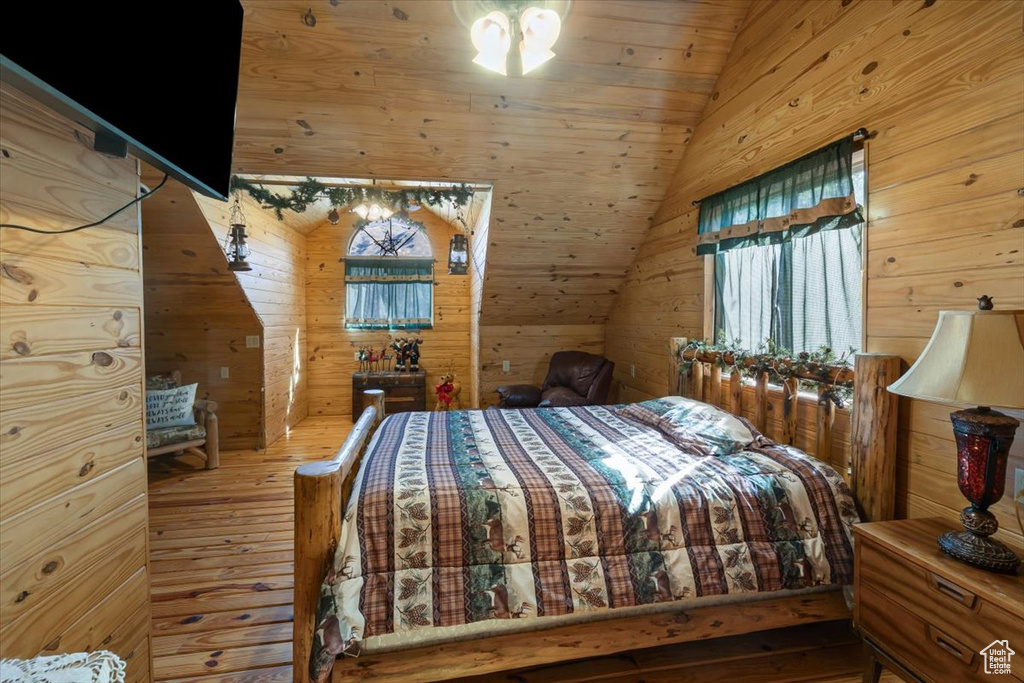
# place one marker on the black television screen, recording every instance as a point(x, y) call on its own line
point(162, 78)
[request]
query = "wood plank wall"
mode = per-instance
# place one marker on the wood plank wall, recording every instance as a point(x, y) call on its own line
point(73, 513)
point(528, 349)
point(275, 287)
point(941, 87)
point(332, 347)
point(197, 315)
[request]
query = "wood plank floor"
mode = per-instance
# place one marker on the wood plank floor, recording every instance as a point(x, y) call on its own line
point(221, 559)
point(221, 572)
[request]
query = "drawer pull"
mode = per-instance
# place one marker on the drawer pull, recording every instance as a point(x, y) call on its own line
point(951, 590)
point(950, 645)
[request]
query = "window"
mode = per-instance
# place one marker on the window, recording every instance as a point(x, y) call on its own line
point(389, 277)
point(799, 284)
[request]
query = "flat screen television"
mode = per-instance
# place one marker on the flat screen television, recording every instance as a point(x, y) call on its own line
point(159, 81)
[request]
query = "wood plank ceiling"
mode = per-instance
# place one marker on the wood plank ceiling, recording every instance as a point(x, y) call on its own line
point(580, 152)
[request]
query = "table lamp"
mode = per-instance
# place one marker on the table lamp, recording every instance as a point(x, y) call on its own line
point(975, 358)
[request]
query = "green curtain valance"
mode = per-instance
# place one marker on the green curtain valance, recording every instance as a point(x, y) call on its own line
point(389, 270)
point(806, 196)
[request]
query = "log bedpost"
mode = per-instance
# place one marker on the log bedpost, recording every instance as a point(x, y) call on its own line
point(761, 402)
point(697, 373)
point(321, 492)
point(873, 435)
point(826, 418)
point(317, 532)
point(790, 403)
point(736, 392)
point(676, 381)
point(716, 385)
point(375, 398)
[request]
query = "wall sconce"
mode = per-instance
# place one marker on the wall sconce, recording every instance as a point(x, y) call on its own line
point(458, 255)
point(333, 216)
point(235, 247)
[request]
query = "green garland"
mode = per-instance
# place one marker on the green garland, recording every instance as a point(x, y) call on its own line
point(780, 363)
point(311, 190)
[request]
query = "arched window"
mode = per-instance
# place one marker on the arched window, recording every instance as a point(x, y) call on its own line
point(389, 277)
point(393, 237)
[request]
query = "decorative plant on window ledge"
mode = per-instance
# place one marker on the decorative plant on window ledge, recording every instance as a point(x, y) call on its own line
point(400, 200)
point(822, 367)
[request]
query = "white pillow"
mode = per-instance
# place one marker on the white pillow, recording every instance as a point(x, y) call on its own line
point(171, 407)
point(693, 425)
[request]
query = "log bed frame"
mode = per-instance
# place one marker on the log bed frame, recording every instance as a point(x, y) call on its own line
point(322, 490)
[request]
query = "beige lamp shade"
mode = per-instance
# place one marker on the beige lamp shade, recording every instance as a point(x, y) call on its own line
point(973, 358)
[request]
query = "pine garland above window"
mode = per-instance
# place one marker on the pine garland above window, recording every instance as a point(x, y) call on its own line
point(824, 366)
point(310, 190)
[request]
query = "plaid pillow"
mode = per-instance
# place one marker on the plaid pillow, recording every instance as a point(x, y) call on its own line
point(693, 426)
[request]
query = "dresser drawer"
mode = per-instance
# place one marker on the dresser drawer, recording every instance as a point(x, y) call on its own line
point(403, 391)
point(930, 652)
point(936, 600)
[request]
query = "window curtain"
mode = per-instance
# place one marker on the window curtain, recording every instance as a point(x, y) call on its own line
point(787, 251)
point(810, 195)
point(804, 294)
point(389, 293)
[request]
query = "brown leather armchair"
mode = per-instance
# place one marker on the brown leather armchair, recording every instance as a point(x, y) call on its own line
point(575, 378)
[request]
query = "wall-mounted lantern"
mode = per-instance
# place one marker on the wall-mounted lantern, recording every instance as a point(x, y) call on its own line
point(235, 247)
point(458, 255)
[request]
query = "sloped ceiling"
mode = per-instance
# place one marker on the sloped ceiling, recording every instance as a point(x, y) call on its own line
point(580, 152)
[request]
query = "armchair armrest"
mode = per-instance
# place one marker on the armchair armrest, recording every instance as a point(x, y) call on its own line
point(206, 415)
point(519, 396)
point(205, 405)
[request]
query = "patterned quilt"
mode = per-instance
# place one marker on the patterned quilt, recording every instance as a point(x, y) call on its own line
point(465, 516)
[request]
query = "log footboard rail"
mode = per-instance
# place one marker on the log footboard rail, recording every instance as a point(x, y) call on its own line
point(321, 494)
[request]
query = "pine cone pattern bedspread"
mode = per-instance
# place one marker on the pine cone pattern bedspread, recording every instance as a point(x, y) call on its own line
point(458, 517)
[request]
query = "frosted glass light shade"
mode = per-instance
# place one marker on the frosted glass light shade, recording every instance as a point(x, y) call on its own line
point(973, 358)
point(540, 28)
point(492, 39)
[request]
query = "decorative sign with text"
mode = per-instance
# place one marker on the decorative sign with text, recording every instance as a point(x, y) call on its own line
point(170, 407)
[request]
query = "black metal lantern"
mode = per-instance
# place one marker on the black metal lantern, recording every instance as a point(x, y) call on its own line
point(236, 249)
point(458, 255)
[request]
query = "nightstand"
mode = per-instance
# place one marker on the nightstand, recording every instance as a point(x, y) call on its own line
point(927, 616)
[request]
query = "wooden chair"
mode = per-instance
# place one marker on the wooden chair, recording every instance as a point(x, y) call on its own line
point(201, 439)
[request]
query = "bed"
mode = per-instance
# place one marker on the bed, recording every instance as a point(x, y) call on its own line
point(464, 539)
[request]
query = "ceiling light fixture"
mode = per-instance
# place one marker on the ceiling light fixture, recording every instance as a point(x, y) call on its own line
point(540, 29)
point(492, 37)
point(373, 212)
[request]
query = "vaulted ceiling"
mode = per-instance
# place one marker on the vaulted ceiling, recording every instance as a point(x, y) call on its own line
point(580, 152)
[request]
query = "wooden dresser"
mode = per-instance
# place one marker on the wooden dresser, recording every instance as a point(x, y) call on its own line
point(403, 391)
point(927, 616)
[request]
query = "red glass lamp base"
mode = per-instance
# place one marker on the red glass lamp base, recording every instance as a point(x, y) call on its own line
point(983, 438)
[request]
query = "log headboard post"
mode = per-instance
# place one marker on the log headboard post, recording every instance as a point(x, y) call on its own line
point(321, 492)
point(874, 416)
point(873, 435)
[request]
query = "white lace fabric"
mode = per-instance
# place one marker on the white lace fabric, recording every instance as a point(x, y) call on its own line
point(94, 667)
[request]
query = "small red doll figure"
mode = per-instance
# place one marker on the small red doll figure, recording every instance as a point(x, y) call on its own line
point(448, 392)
